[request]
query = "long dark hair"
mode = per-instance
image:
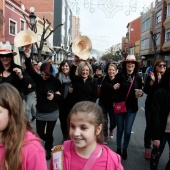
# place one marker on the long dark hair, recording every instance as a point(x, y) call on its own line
point(165, 80)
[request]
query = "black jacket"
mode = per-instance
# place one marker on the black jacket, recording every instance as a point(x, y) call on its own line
point(107, 91)
point(83, 91)
point(132, 101)
point(42, 86)
point(149, 90)
point(13, 78)
point(159, 112)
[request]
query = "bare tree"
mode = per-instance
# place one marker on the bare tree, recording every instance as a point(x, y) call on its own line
point(44, 35)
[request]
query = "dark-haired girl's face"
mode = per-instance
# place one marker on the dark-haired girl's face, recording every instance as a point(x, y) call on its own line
point(65, 68)
point(6, 59)
point(44, 75)
point(4, 119)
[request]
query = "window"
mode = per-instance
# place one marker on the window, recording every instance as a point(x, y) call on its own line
point(168, 10)
point(145, 44)
point(158, 16)
point(22, 25)
point(12, 27)
point(167, 35)
point(146, 25)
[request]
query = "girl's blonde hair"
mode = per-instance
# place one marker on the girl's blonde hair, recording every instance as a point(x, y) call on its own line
point(113, 65)
point(14, 134)
point(81, 65)
point(92, 112)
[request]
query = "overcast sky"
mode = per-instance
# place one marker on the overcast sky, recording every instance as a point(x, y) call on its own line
point(105, 21)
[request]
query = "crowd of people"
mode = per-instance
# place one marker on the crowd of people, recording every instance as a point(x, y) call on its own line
point(87, 118)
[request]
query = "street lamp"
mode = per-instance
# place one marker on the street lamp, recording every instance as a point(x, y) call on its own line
point(32, 18)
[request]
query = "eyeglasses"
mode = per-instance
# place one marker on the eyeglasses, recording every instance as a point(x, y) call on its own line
point(161, 65)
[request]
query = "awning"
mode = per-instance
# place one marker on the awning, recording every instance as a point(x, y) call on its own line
point(166, 46)
point(167, 23)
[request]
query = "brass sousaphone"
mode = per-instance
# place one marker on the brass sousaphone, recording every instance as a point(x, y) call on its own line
point(81, 47)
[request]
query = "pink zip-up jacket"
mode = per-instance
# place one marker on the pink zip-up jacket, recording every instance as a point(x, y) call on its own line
point(113, 159)
point(33, 153)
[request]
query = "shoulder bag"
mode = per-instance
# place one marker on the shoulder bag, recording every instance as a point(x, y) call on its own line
point(121, 106)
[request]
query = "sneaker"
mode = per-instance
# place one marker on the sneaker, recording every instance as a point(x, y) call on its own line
point(147, 153)
point(105, 140)
point(124, 154)
point(111, 134)
point(48, 155)
point(33, 119)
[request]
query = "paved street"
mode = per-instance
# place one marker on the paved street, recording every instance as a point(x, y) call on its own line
point(136, 160)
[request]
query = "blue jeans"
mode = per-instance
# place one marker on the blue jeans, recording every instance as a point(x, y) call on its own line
point(108, 111)
point(156, 152)
point(124, 125)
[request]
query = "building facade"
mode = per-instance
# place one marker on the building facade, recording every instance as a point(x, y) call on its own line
point(62, 36)
point(155, 33)
point(75, 27)
point(132, 36)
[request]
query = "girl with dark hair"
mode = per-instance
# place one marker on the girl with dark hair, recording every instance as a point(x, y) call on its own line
point(48, 90)
point(160, 120)
point(20, 147)
point(123, 88)
point(65, 102)
point(151, 85)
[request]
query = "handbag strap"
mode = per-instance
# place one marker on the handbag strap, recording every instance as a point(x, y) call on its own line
point(91, 160)
point(130, 87)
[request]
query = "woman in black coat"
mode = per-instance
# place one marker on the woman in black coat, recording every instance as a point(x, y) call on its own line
point(84, 85)
point(151, 85)
point(160, 120)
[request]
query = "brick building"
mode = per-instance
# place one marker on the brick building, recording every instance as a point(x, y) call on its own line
point(42, 8)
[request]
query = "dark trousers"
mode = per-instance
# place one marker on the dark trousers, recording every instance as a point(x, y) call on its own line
point(48, 136)
point(108, 112)
point(64, 110)
point(156, 152)
point(147, 135)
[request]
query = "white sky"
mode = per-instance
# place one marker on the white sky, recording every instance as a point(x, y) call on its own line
point(106, 23)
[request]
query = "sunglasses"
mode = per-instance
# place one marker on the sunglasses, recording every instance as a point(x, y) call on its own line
point(161, 65)
point(130, 62)
point(5, 56)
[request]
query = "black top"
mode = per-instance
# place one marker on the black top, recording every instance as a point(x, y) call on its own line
point(42, 87)
point(159, 112)
point(107, 91)
point(13, 77)
point(132, 101)
point(149, 90)
point(83, 91)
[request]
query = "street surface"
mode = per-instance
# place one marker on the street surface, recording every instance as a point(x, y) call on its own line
point(135, 160)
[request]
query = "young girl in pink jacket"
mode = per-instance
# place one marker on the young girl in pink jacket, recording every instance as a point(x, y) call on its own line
point(20, 148)
point(85, 150)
